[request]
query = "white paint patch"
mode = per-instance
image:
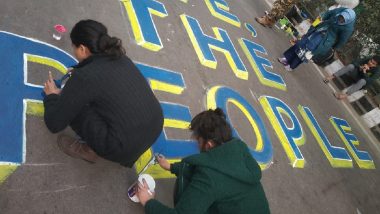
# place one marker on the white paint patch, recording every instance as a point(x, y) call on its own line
point(67, 188)
point(9, 163)
point(255, 97)
point(42, 164)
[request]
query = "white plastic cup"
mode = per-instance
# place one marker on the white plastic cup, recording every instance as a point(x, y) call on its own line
point(132, 190)
point(59, 30)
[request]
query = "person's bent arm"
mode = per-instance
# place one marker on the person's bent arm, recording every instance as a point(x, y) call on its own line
point(61, 109)
point(196, 199)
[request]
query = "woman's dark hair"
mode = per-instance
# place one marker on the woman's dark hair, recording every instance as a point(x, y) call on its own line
point(211, 125)
point(94, 35)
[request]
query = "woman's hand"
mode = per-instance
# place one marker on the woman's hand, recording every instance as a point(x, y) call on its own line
point(143, 192)
point(50, 87)
point(163, 162)
point(293, 41)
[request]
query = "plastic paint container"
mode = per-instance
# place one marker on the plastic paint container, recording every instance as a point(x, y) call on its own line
point(59, 30)
point(132, 190)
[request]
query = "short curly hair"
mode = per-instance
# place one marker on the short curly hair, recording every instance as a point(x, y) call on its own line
point(211, 125)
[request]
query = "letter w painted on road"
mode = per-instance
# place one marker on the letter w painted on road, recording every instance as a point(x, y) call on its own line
point(18, 97)
point(140, 15)
point(203, 44)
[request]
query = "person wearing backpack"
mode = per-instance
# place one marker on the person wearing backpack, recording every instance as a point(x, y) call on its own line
point(333, 32)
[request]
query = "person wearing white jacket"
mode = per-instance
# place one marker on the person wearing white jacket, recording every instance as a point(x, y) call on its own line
point(345, 3)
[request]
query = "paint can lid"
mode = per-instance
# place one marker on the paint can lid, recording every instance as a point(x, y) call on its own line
point(60, 28)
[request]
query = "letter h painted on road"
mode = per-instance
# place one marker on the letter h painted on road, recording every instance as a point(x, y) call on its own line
point(140, 15)
point(204, 44)
point(18, 97)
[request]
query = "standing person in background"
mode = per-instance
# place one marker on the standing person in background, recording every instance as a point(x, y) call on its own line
point(338, 4)
point(281, 7)
point(223, 178)
point(278, 11)
point(365, 71)
point(333, 32)
point(106, 101)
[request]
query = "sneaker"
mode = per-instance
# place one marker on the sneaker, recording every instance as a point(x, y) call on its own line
point(283, 61)
point(72, 147)
point(265, 21)
point(287, 68)
point(340, 96)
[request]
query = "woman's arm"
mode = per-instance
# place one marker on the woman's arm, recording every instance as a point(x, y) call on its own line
point(343, 38)
point(197, 198)
point(61, 109)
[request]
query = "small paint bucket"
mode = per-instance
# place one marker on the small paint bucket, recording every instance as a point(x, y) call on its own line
point(59, 30)
point(132, 190)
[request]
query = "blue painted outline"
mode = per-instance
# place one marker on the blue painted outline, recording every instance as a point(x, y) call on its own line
point(259, 65)
point(294, 136)
point(251, 29)
point(205, 44)
point(171, 148)
point(13, 54)
point(337, 156)
point(223, 97)
point(362, 158)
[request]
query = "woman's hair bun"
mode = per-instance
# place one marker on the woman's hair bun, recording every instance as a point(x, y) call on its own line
point(218, 111)
point(110, 45)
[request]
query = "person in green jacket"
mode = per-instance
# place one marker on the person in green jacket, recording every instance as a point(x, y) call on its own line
point(223, 178)
point(366, 71)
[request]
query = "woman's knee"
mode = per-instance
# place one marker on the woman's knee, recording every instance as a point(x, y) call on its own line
point(362, 82)
point(351, 67)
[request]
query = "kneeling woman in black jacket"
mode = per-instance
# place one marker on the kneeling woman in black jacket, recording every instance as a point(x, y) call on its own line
point(106, 101)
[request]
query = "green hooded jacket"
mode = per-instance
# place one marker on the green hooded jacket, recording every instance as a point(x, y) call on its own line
point(225, 179)
point(336, 35)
